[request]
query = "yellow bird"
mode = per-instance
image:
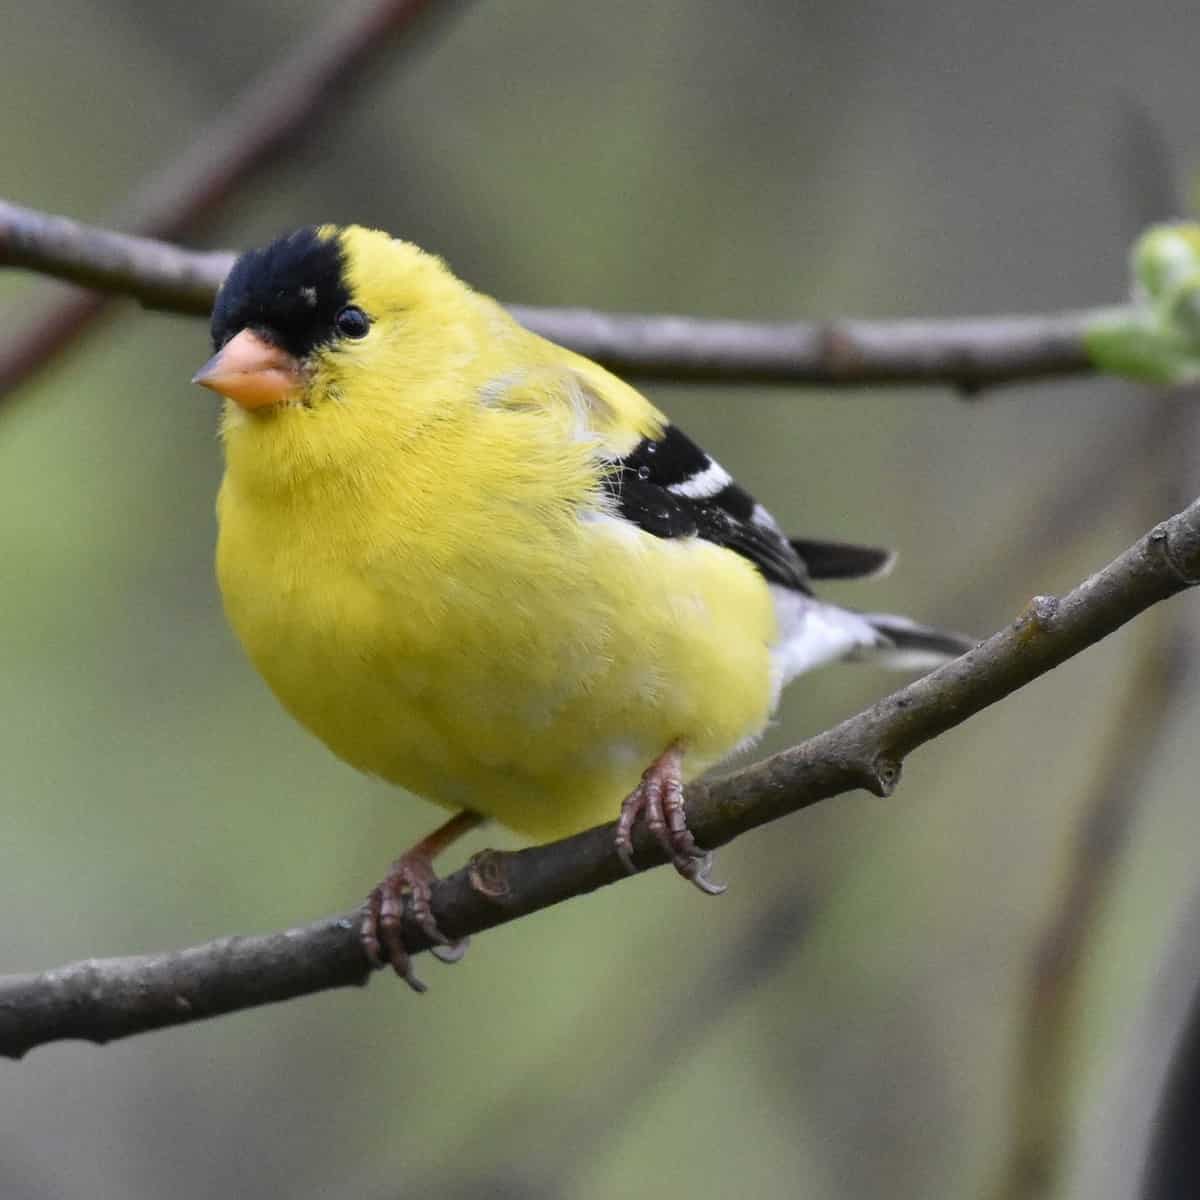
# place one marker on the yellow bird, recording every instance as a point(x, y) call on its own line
point(480, 566)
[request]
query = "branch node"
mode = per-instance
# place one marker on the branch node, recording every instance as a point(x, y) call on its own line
point(489, 876)
point(1179, 549)
point(885, 776)
point(838, 350)
point(1039, 616)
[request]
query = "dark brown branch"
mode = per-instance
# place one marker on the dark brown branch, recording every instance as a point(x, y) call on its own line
point(284, 104)
point(969, 353)
point(104, 999)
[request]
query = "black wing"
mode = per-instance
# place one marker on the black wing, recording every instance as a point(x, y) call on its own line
point(841, 560)
point(671, 488)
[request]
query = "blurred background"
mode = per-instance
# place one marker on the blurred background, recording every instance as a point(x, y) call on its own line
point(872, 1009)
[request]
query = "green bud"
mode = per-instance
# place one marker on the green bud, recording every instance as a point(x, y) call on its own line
point(1166, 257)
point(1157, 337)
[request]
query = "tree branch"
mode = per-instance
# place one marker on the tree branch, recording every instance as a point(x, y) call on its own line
point(156, 274)
point(283, 104)
point(969, 352)
point(102, 999)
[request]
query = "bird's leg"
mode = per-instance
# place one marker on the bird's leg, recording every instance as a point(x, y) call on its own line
point(411, 875)
point(658, 800)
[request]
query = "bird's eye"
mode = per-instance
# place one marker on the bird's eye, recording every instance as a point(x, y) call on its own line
point(352, 322)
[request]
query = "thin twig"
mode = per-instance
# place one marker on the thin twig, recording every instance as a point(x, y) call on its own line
point(104, 999)
point(968, 353)
point(283, 104)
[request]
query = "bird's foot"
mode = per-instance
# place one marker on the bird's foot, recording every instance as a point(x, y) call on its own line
point(658, 800)
point(411, 877)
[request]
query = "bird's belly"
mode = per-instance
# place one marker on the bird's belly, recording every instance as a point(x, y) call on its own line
point(538, 704)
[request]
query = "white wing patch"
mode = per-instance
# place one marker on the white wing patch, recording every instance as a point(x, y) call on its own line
point(704, 484)
point(760, 516)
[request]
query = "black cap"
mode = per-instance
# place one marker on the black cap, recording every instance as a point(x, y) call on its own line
point(289, 293)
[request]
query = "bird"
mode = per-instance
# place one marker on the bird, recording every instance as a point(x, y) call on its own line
point(480, 566)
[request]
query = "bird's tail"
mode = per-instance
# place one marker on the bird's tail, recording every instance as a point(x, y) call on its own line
point(813, 633)
point(906, 645)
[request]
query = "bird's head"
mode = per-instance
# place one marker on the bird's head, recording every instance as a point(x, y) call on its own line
point(329, 326)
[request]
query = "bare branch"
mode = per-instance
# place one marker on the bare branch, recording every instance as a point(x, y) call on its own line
point(282, 105)
point(104, 999)
point(969, 352)
point(157, 274)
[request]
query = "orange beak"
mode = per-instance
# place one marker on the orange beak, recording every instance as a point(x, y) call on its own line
point(251, 372)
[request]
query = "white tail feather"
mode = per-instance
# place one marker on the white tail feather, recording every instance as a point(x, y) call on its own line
point(812, 634)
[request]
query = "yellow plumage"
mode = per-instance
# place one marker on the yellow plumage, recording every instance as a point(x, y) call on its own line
point(418, 557)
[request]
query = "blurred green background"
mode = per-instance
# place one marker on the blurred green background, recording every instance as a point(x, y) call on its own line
point(848, 1020)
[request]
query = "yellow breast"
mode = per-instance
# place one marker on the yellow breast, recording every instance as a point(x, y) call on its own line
point(480, 636)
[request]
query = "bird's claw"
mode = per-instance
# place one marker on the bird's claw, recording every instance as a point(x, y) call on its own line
point(382, 933)
point(658, 800)
point(450, 952)
point(696, 870)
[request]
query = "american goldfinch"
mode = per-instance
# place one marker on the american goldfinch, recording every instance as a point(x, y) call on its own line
point(480, 566)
